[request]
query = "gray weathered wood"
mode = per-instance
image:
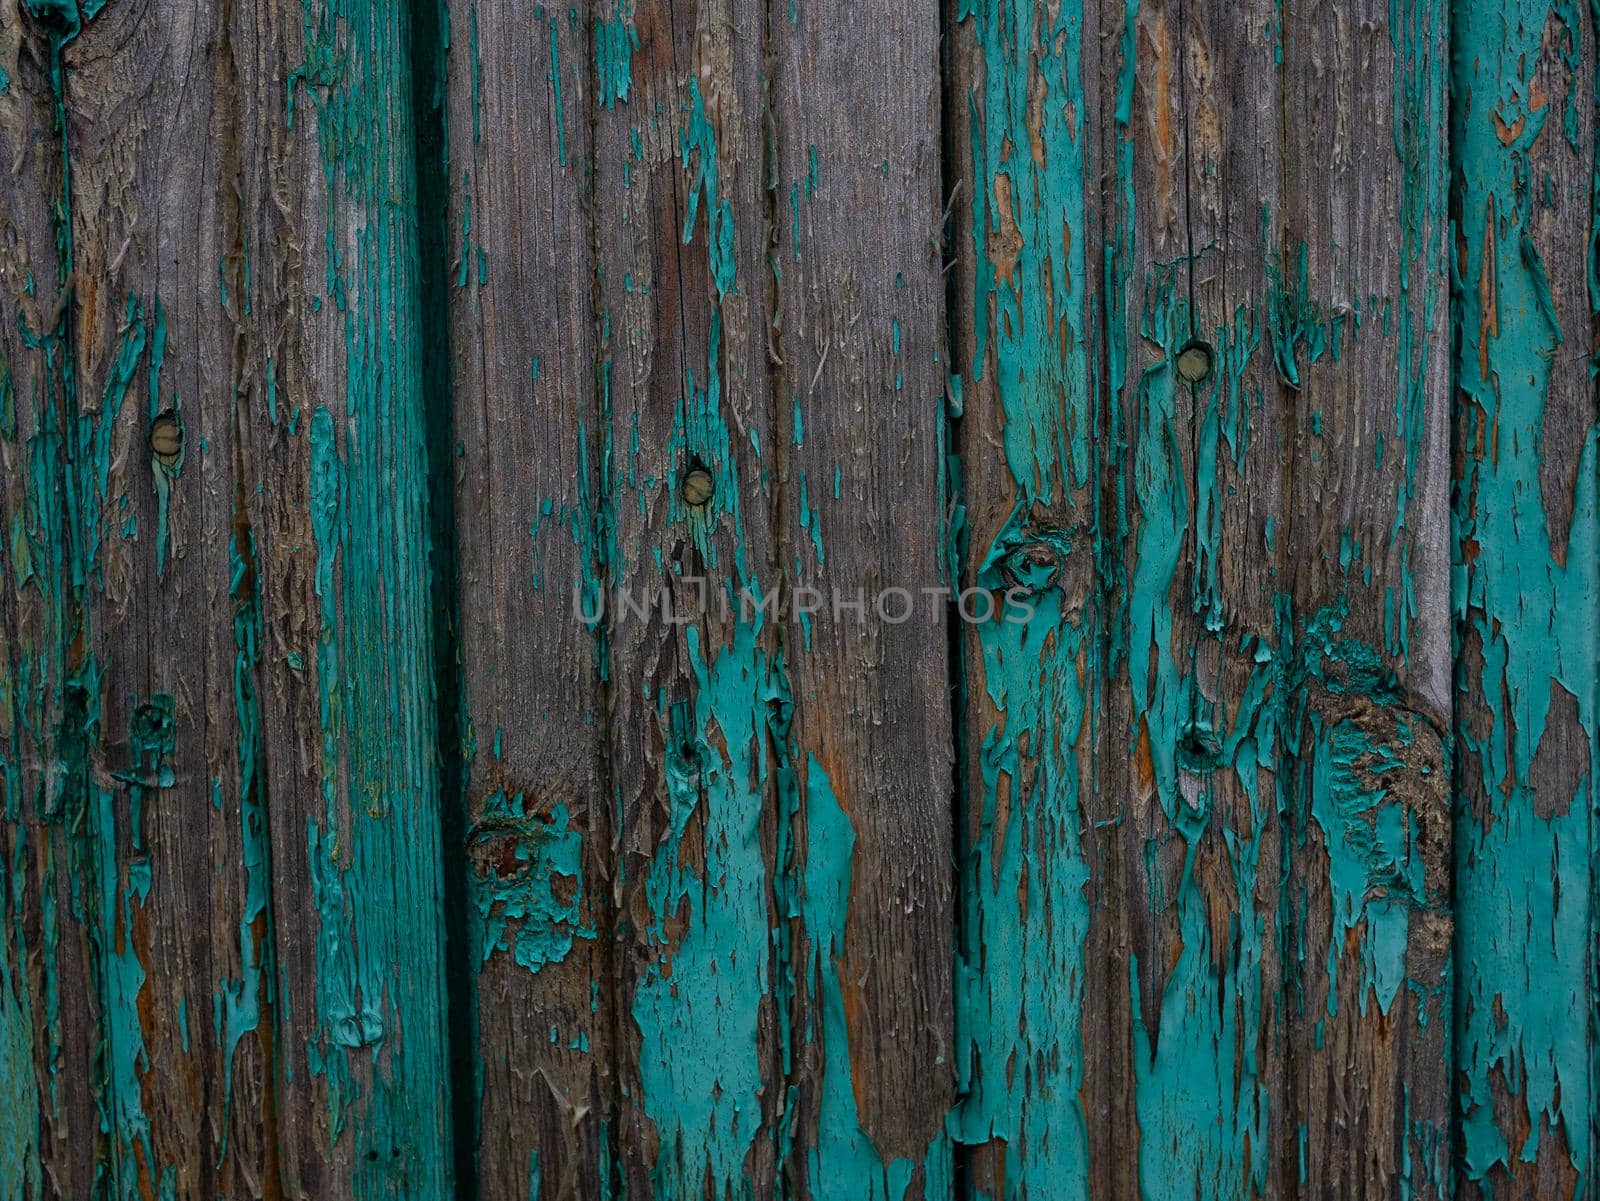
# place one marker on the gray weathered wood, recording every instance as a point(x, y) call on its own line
point(697, 695)
point(333, 470)
point(175, 801)
point(532, 449)
point(611, 373)
point(48, 1000)
point(1035, 1058)
point(1361, 340)
point(859, 349)
point(1195, 719)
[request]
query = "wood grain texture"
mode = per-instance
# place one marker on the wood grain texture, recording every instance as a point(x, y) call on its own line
point(334, 477)
point(860, 338)
point(1197, 680)
point(698, 693)
point(176, 823)
point(1034, 1056)
point(460, 460)
point(530, 449)
point(137, 561)
point(49, 996)
point(222, 516)
point(1361, 344)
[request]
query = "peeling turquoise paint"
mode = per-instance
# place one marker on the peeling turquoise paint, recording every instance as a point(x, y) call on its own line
point(1375, 871)
point(373, 852)
point(21, 1172)
point(844, 1165)
point(614, 44)
point(1201, 1106)
point(698, 1004)
point(555, 84)
point(707, 977)
point(55, 546)
point(1200, 1099)
point(698, 142)
point(242, 1003)
point(1527, 605)
point(1020, 972)
point(121, 887)
point(528, 876)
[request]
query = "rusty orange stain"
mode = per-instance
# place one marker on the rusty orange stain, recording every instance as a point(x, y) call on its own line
point(1166, 147)
point(1006, 246)
point(850, 995)
point(1066, 256)
point(1144, 770)
point(1036, 96)
point(1508, 133)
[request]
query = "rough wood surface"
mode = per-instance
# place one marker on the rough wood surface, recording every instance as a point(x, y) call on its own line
point(1362, 338)
point(222, 517)
point(176, 798)
point(49, 995)
point(699, 699)
point(331, 427)
point(459, 462)
point(529, 448)
point(1197, 683)
point(1024, 399)
point(859, 335)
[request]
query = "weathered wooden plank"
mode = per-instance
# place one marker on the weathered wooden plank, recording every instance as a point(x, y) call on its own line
point(1201, 932)
point(1196, 483)
point(1032, 995)
point(206, 439)
point(1208, 1003)
point(49, 1004)
point(699, 697)
point(178, 867)
point(532, 446)
point(333, 468)
point(859, 348)
point(1526, 592)
point(1195, 474)
point(1360, 337)
point(139, 566)
point(1237, 591)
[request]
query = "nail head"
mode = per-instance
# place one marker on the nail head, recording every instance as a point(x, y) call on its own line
point(697, 487)
point(166, 439)
point(1194, 362)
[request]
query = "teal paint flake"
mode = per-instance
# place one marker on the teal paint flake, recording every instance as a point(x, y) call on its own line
point(699, 1001)
point(698, 145)
point(843, 1164)
point(614, 44)
point(1374, 866)
point(1024, 917)
point(1020, 971)
point(21, 1170)
point(241, 1003)
point(528, 883)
